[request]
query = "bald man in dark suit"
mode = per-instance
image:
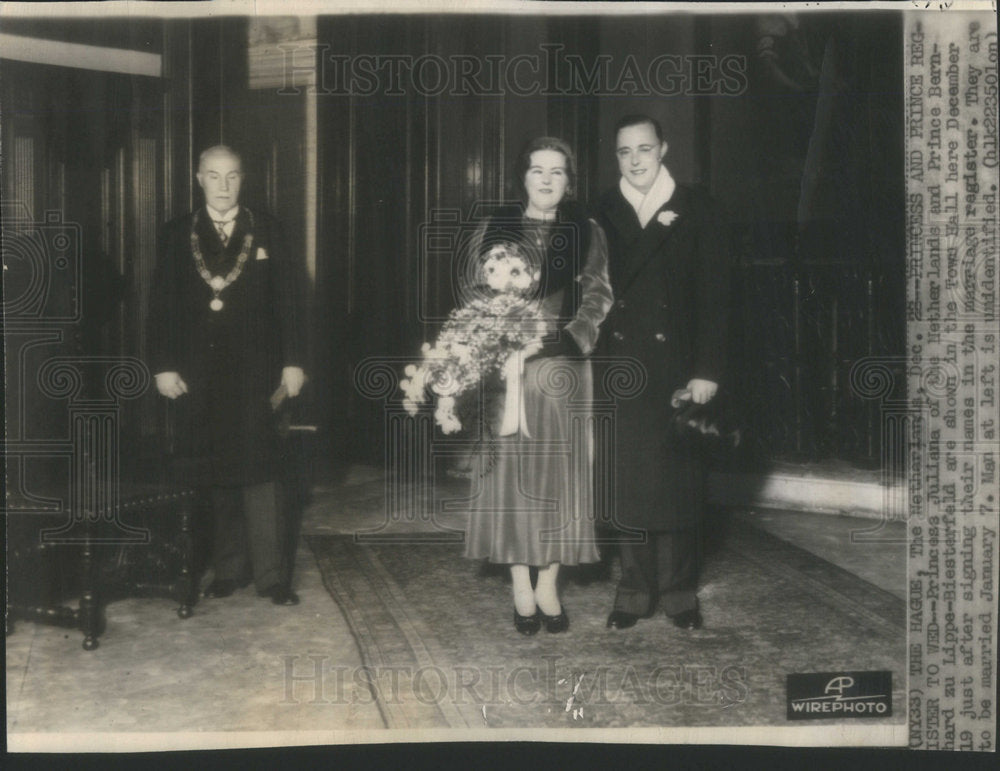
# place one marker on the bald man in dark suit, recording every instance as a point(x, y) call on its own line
point(225, 331)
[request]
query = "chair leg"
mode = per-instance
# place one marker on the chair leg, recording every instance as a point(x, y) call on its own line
point(186, 584)
point(90, 609)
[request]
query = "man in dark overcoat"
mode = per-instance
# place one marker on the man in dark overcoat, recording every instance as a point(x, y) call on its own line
point(670, 273)
point(225, 335)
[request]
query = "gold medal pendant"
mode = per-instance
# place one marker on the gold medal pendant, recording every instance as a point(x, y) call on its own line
point(218, 283)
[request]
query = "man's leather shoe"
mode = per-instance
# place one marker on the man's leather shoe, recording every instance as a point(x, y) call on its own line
point(619, 619)
point(281, 594)
point(688, 619)
point(220, 587)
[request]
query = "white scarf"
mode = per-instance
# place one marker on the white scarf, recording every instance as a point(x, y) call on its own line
point(647, 204)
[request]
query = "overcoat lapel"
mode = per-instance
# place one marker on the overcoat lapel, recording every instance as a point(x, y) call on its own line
point(650, 240)
point(240, 231)
point(623, 219)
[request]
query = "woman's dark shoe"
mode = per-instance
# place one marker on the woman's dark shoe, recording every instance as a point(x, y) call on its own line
point(527, 625)
point(555, 624)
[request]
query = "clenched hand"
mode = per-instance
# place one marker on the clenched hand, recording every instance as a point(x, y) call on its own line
point(170, 384)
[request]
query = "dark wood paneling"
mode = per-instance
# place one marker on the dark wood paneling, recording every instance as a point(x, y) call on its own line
point(336, 238)
point(574, 117)
point(391, 163)
point(178, 118)
point(645, 38)
point(87, 159)
point(388, 162)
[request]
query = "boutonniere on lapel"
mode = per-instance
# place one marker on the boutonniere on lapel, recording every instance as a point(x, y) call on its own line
point(666, 217)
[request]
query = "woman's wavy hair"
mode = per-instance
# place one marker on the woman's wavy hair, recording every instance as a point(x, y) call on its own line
point(523, 162)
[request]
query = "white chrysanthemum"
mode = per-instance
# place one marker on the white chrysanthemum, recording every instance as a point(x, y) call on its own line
point(445, 383)
point(477, 339)
point(518, 275)
point(505, 270)
point(463, 352)
point(445, 415)
point(415, 387)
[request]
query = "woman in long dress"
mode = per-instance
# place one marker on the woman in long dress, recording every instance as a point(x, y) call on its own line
point(533, 503)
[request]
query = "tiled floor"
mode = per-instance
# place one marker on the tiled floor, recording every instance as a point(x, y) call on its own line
point(871, 549)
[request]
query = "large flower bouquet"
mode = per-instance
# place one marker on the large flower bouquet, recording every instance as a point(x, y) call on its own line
point(478, 338)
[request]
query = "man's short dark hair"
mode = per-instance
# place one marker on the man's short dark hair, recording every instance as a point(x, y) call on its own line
point(639, 119)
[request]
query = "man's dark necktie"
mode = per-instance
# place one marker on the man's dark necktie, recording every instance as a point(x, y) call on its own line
point(221, 227)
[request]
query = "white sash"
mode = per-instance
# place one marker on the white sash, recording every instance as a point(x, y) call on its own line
point(514, 418)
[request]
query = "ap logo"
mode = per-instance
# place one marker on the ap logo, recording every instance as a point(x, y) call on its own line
point(838, 685)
